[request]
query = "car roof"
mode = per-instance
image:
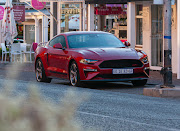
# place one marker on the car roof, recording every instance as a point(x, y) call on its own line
point(82, 32)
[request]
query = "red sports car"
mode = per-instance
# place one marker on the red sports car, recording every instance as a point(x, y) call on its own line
point(90, 56)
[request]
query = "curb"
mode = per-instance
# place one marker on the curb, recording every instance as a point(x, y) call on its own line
point(162, 92)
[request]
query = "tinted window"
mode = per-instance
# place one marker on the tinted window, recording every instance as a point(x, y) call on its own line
point(53, 42)
point(62, 40)
point(94, 41)
point(58, 39)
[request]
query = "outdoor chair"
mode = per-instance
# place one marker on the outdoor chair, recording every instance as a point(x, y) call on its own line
point(16, 50)
point(33, 47)
point(4, 52)
point(24, 50)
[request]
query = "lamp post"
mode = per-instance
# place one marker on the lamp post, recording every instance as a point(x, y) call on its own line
point(167, 69)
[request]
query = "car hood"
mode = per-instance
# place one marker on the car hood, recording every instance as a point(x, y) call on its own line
point(109, 53)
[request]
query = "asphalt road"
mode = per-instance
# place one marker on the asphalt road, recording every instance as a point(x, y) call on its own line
point(110, 107)
point(122, 87)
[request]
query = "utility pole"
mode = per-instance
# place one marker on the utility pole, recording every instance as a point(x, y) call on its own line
point(167, 69)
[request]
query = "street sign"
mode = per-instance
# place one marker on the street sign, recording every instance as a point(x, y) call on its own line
point(19, 12)
point(158, 2)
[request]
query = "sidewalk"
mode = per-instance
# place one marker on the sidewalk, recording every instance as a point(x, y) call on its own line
point(20, 66)
point(155, 77)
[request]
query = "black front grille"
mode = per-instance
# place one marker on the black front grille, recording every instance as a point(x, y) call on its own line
point(121, 64)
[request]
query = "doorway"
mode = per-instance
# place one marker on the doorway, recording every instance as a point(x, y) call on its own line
point(157, 35)
point(29, 34)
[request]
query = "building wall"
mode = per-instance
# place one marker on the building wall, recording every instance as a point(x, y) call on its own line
point(147, 30)
point(174, 39)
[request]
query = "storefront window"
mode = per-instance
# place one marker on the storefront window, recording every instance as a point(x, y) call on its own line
point(30, 33)
point(157, 35)
point(20, 31)
point(70, 17)
point(139, 24)
point(139, 10)
point(116, 19)
point(139, 31)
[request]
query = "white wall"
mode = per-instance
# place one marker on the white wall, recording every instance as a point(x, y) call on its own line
point(36, 30)
point(90, 17)
point(174, 40)
point(131, 35)
point(178, 39)
point(147, 30)
point(44, 29)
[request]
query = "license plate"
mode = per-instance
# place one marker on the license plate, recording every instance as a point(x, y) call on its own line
point(122, 71)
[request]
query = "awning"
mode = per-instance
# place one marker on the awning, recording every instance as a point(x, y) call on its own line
point(111, 1)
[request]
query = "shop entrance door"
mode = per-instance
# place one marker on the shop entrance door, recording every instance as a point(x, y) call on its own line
point(29, 34)
point(157, 35)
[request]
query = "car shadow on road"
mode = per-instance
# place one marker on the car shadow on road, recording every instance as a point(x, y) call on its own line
point(121, 87)
point(108, 85)
point(103, 85)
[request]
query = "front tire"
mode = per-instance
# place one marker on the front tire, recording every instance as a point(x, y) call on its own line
point(74, 74)
point(139, 82)
point(40, 72)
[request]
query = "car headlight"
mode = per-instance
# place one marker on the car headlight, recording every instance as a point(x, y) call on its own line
point(88, 61)
point(144, 60)
point(142, 56)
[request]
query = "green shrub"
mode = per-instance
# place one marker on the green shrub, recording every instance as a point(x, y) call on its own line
point(0, 52)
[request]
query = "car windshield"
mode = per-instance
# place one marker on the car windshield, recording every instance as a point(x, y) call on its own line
point(94, 41)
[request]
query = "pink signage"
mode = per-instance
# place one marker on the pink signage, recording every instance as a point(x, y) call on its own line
point(19, 12)
point(37, 5)
point(1, 12)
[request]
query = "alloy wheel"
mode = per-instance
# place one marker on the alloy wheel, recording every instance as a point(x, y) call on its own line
point(74, 74)
point(39, 71)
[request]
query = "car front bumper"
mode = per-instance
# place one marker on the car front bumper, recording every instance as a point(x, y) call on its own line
point(94, 73)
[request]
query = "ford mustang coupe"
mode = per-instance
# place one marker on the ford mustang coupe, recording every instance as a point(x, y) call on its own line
point(90, 57)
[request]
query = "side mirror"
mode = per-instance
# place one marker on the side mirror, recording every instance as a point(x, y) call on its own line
point(58, 46)
point(126, 43)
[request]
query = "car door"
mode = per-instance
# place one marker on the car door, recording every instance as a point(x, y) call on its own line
point(57, 58)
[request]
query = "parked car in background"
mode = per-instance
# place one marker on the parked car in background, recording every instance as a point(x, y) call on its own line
point(18, 41)
point(90, 57)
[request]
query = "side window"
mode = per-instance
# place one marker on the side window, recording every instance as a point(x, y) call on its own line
point(62, 40)
point(53, 41)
